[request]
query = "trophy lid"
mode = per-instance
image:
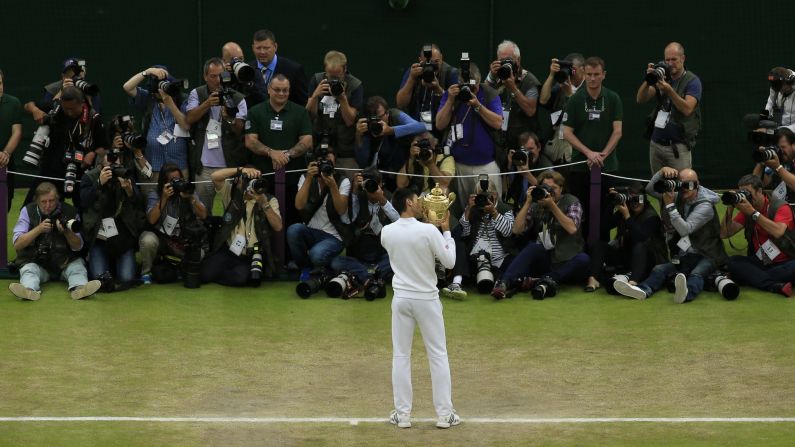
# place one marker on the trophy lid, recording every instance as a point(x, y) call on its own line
point(436, 195)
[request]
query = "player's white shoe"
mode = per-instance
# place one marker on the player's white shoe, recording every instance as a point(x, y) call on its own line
point(401, 420)
point(448, 421)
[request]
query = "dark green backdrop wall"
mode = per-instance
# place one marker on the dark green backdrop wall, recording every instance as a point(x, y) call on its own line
point(731, 45)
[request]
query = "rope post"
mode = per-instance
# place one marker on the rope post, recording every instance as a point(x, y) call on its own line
point(4, 219)
point(594, 212)
point(277, 241)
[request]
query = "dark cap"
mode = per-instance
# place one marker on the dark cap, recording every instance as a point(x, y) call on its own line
point(72, 62)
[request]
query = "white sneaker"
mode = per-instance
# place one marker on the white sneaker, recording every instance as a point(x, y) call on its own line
point(454, 291)
point(680, 291)
point(448, 421)
point(629, 290)
point(399, 419)
point(23, 292)
point(87, 289)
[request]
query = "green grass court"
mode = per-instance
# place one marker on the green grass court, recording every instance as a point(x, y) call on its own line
point(164, 351)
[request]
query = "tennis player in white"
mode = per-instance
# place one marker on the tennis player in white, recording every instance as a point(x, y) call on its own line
point(413, 247)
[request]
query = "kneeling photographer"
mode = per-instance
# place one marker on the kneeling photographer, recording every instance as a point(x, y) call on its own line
point(366, 260)
point(639, 244)
point(428, 159)
point(482, 243)
point(241, 254)
point(175, 214)
point(113, 217)
point(769, 229)
point(553, 218)
point(48, 243)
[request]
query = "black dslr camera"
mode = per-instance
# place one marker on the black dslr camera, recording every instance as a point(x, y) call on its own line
point(374, 126)
point(765, 141)
point(181, 185)
point(171, 88)
point(77, 67)
point(666, 185)
point(541, 192)
point(257, 186)
point(336, 87)
point(194, 235)
point(482, 198)
point(565, 72)
point(72, 225)
point(507, 68)
point(320, 155)
point(370, 184)
point(466, 84)
point(621, 196)
point(429, 69)
point(375, 287)
point(317, 280)
point(225, 94)
point(546, 287)
point(124, 125)
point(660, 72)
point(426, 151)
point(732, 198)
point(520, 157)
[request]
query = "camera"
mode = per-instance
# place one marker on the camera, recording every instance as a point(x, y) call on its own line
point(481, 200)
point(72, 225)
point(317, 280)
point(429, 68)
point(375, 287)
point(507, 68)
point(370, 185)
point(765, 153)
point(541, 192)
point(761, 120)
point(320, 155)
point(257, 186)
point(566, 71)
point(119, 171)
point(374, 126)
point(666, 185)
point(466, 83)
point(520, 157)
point(426, 151)
point(256, 264)
point(732, 198)
point(336, 87)
point(546, 287)
point(194, 234)
point(171, 88)
point(70, 178)
point(225, 94)
point(727, 288)
point(484, 277)
point(660, 71)
point(243, 72)
point(622, 196)
point(181, 185)
point(124, 125)
point(41, 138)
point(344, 285)
point(87, 88)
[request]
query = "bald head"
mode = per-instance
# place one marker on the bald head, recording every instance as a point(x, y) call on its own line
point(676, 46)
point(230, 50)
point(688, 175)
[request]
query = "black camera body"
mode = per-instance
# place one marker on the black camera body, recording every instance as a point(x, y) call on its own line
point(520, 157)
point(541, 192)
point(226, 93)
point(257, 185)
point(481, 200)
point(171, 88)
point(660, 72)
point(426, 151)
point(124, 125)
point(546, 287)
point(621, 196)
point(317, 280)
point(120, 171)
point(336, 86)
point(429, 69)
point(374, 126)
point(466, 83)
point(666, 185)
point(732, 198)
point(374, 287)
point(181, 185)
point(507, 68)
point(566, 71)
point(370, 185)
point(86, 87)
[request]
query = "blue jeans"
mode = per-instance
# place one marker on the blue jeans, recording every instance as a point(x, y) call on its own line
point(696, 267)
point(98, 263)
point(311, 247)
point(33, 275)
point(359, 267)
point(534, 260)
point(749, 270)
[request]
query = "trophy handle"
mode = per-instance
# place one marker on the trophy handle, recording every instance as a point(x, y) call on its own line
point(451, 197)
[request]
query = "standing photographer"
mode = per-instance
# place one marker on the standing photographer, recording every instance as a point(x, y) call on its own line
point(565, 78)
point(10, 132)
point(693, 239)
point(769, 264)
point(48, 243)
point(72, 70)
point(241, 254)
point(677, 115)
point(173, 205)
point(426, 158)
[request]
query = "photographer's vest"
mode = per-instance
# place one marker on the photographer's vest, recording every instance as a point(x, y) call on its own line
point(315, 201)
point(184, 215)
point(423, 99)
point(518, 121)
point(566, 245)
point(363, 238)
point(688, 124)
point(785, 243)
point(706, 240)
point(128, 212)
point(234, 212)
point(343, 138)
point(60, 252)
point(235, 152)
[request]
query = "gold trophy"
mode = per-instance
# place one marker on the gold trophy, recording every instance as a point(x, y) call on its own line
point(436, 204)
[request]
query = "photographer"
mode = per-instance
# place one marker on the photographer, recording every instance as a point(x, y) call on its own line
point(173, 205)
point(322, 202)
point(769, 264)
point(482, 244)
point(48, 243)
point(270, 64)
point(113, 217)
point(781, 101)
point(164, 125)
point(427, 159)
point(372, 211)
point(241, 254)
point(76, 133)
point(382, 137)
point(217, 115)
point(518, 91)
point(10, 132)
point(245, 79)
point(639, 244)
point(553, 219)
point(565, 78)
point(72, 70)
point(778, 171)
point(337, 97)
point(693, 236)
point(469, 125)
point(423, 85)
point(527, 157)
point(677, 115)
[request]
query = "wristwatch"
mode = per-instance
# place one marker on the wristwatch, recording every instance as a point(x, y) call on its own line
point(477, 109)
point(755, 216)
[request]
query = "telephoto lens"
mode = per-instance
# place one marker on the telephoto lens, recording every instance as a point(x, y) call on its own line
point(370, 185)
point(660, 71)
point(316, 281)
point(374, 126)
point(764, 154)
point(70, 179)
point(727, 288)
point(666, 185)
point(88, 89)
point(374, 288)
point(40, 141)
point(732, 198)
point(326, 167)
point(243, 71)
point(546, 287)
point(256, 264)
point(341, 285)
point(484, 277)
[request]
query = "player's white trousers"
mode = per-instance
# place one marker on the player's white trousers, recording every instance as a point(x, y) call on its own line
point(406, 313)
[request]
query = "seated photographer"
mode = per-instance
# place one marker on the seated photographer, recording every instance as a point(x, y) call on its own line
point(113, 217)
point(527, 157)
point(565, 77)
point(322, 202)
point(781, 101)
point(169, 208)
point(471, 112)
point(241, 254)
point(164, 125)
point(382, 137)
point(482, 243)
point(693, 237)
point(426, 158)
point(639, 244)
point(48, 243)
point(122, 136)
point(777, 167)
point(552, 219)
point(423, 85)
point(765, 220)
point(365, 258)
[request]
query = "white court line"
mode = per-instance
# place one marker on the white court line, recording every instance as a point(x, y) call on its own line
point(356, 421)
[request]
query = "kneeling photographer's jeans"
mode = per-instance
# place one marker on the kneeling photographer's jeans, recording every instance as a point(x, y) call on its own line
point(535, 261)
point(359, 268)
point(33, 275)
point(312, 247)
point(98, 263)
point(696, 267)
point(749, 270)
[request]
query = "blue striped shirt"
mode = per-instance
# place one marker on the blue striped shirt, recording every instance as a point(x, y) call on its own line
point(176, 150)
